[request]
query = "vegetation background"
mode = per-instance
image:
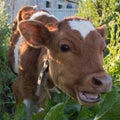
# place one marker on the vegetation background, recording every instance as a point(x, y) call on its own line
point(62, 107)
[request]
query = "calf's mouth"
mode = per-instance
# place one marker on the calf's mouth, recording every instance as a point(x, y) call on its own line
point(87, 97)
point(97, 86)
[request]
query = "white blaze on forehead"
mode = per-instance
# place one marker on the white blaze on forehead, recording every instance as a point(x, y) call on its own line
point(84, 27)
point(41, 13)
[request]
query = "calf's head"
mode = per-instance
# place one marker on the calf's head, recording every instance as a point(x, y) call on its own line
point(75, 58)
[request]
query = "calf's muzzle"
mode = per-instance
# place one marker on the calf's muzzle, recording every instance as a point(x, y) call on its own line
point(103, 83)
point(92, 87)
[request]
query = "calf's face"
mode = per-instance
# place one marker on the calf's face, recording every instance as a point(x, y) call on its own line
point(75, 56)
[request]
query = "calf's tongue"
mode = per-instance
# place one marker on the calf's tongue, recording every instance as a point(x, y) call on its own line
point(89, 97)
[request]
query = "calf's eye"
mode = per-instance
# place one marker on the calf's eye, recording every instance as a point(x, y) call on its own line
point(64, 48)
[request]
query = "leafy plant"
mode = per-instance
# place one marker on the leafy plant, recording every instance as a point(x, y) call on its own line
point(113, 67)
point(61, 106)
point(6, 76)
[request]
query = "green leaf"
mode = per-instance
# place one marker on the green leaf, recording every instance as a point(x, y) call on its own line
point(72, 109)
point(56, 112)
point(110, 108)
point(1, 89)
point(38, 116)
point(71, 106)
point(20, 113)
point(85, 113)
point(7, 116)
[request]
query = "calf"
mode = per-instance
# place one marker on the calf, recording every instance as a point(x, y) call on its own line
point(26, 85)
point(23, 14)
point(73, 48)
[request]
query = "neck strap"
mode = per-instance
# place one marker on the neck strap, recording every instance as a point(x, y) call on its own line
point(42, 78)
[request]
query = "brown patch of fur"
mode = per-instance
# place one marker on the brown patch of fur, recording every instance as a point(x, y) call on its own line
point(30, 62)
point(23, 14)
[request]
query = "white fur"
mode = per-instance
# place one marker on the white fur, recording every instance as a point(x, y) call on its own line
point(16, 50)
point(41, 13)
point(26, 102)
point(84, 27)
point(40, 109)
point(36, 7)
point(28, 105)
point(16, 55)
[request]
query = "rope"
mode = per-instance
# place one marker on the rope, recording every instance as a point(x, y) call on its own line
point(41, 78)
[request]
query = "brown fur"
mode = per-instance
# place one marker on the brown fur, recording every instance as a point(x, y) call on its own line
point(26, 83)
point(84, 57)
point(23, 14)
point(78, 69)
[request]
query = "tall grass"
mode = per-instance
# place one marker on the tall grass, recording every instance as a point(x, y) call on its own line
point(6, 76)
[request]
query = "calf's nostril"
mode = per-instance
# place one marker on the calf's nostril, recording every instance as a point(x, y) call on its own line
point(96, 82)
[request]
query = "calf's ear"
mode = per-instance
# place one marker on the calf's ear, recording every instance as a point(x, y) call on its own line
point(102, 30)
point(35, 33)
point(18, 18)
point(26, 11)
